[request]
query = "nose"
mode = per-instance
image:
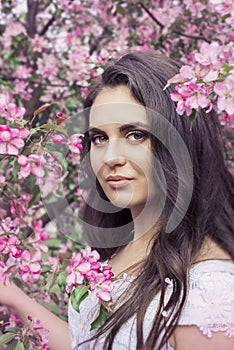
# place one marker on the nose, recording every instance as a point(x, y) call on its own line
point(114, 155)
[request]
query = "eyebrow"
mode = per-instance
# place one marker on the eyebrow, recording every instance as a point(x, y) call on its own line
point(122, 128)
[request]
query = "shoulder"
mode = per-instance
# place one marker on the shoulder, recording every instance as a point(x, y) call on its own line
point(209, 309)
point(210, 301)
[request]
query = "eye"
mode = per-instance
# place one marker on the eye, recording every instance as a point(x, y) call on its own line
point(136, 136)
point(98, 139)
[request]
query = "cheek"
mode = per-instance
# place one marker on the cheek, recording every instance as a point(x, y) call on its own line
point(95, 163)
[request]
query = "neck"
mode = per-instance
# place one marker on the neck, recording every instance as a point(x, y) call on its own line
point(145, 218)
point(146, 223)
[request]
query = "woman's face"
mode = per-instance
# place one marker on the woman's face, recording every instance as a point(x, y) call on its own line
point(120, 152)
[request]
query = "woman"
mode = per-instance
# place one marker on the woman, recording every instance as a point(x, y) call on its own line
point(174, 274)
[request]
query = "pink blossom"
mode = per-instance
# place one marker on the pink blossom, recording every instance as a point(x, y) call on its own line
point(31, 164)
point(22, 72)
point(190, 96)
point(9, 245)
point(59, 138)
point(225, 92)
point(74, 144)
point(14, 321)
point(208, 53)
point(9, 225)
point(47, 66)
point(29, 266)
point(227, 120)
point(40, 236)
point(96, 276)
point(37, 43)
point(13, 112)
point(10, 140)
point(23, 89)
point(2, 179)
point(14, 28)
point(54, 177)
point(76, 271)
point(90, 255)
point(107, 272)
point(3, 272)
point(4, 101)
point(100, 287)
point(19, 205)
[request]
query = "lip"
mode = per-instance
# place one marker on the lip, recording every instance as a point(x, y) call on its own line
point(118, 181)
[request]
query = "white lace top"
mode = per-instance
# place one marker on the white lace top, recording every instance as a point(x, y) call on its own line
point(209, 306)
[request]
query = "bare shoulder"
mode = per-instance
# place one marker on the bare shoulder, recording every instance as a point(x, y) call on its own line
point(211, 250)
point(190, 337)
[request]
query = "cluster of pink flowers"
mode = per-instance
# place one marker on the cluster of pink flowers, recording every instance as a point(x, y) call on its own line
point(85, 269)
point(8, 109)
point(24, 258)
point(11, 139)
point(32, 333)
point(207, 83)
point(31, 164)
point(74, 144)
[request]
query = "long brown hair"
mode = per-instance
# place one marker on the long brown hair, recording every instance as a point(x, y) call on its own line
point(210, 212)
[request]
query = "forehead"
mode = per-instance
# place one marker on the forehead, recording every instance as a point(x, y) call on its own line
point(116, 105)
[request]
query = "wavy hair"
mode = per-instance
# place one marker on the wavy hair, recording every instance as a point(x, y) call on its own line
point(210, 212)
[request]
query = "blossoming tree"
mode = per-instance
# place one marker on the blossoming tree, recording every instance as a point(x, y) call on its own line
point(50, 53)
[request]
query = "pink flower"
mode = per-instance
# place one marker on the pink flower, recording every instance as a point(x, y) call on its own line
point(31, 164)
point(37, 43)
point(40, 236)
point(90, 255)
point(9, 245)
point(3, 272)
point(101, 288)
point(208, 53)
point(190, 96)
point(29, 266)
point(9, 225)
point(107, 273)
point(227, 120)
point(2, 179)
point(13, 112)
point(59, 138)
point(74, 144)
point(76, 271)
point(11, 140)
point(225, 92)
point(14, 321)
point(19, 205)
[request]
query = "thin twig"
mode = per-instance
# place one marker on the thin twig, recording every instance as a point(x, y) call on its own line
point(175, 31)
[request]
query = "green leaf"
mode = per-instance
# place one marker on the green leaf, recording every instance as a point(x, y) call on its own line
point(192, 117)
point(120, 10)
point(16, 169)
point(53, 243)
point(212, 95)
point(54, 127)
point(18, 345)
point(46, 268)
point(78, 295)
point(100, 319)
point(61, 280)
point(36, 196)
point(12, 329)
point(31, 180)
point(5, 338)
point(227, 67)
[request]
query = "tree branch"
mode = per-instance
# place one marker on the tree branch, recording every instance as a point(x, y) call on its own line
point(175, 31)
point(46, 27)
point(31, 17)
